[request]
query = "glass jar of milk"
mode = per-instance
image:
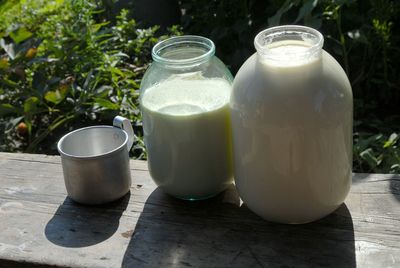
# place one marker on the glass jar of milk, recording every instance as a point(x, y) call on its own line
point(184, 98)
point(291, 110)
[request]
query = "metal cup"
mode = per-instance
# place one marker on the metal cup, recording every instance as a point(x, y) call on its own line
point(95, 162)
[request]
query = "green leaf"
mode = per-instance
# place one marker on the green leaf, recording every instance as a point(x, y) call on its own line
point(132, 82)
point(391, 141)
point(306, 9)
point(89, 77)
point(313, 22)
point(6, 108)
point(103, 91)
point(9, 83)
point(56, 96)
point(52, 96)
point(106, 104)
point(117, 71)
point(275, 20)
point(96, 27)
point(30, 105)
point(121, 54)
point(20, 35)
point(8, 48)
point(395, 168)
point(368, 156)
point(15, 121)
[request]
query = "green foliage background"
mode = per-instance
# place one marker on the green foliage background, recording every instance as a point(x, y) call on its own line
point(71, 63)
point(65, 65)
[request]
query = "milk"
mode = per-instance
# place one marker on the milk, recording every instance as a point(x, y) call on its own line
point(292, 124)
point(186, 124)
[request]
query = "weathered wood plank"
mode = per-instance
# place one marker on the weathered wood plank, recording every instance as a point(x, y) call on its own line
point(39, 225)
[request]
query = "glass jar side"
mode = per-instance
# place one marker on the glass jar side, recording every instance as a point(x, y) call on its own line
point(184, 102)
point(184, 56)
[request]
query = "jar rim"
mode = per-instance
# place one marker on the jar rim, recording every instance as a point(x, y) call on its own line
point(184, 41)
point(289, 32)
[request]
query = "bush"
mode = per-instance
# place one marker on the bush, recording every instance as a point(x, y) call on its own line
point(66, 64)
point(63, 66)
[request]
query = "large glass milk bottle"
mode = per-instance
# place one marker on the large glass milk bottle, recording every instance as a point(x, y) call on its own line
point(292, 127)
point(184, 101)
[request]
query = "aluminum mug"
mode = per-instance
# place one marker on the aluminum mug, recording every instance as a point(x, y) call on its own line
point(95, 162)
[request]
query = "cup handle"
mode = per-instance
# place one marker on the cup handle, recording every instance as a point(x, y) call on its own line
point(125, 124)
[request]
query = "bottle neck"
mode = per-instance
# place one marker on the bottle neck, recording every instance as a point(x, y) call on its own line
point(182, 52)
point(289, 45)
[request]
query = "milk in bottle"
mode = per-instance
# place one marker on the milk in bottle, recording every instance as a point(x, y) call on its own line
point(291, 110)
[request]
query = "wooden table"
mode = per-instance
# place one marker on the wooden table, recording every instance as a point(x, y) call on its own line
point(40, 226)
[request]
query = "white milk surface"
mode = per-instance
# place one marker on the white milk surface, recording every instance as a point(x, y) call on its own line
point(186, 125)
point(292, 143)
point(288, 53)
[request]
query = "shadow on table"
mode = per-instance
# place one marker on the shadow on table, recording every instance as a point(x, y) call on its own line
point(395, 187)
point(221, 233)
point(74, 225)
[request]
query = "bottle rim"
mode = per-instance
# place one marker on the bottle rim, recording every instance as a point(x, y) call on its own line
point(181, 42)
point(265, 38)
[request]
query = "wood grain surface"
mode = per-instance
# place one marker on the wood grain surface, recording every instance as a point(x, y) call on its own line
point(41, 227)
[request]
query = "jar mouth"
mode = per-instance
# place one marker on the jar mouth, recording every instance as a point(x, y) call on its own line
point(183, 50)
point(296, 43)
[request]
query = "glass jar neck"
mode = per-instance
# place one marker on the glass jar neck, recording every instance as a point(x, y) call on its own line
point(289, 45)
point(183, 51)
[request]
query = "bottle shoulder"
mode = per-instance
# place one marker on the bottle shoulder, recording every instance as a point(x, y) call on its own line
point(326, 72)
